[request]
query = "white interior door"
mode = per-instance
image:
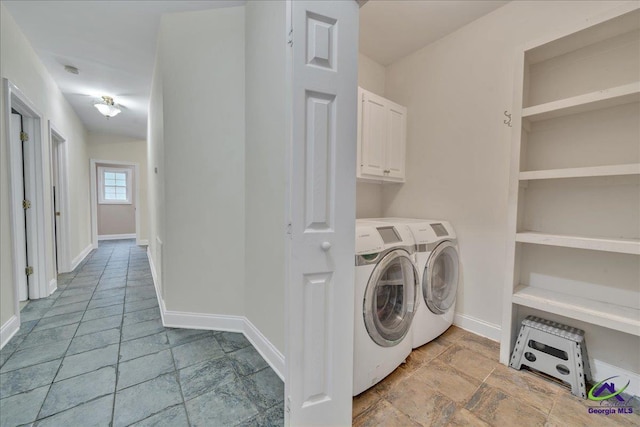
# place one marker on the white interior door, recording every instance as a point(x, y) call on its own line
point(320, 291)
point(19, 190)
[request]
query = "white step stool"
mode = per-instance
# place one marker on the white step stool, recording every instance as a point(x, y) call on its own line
point(555, 349)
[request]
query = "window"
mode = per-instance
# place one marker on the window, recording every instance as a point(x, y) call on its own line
point(114, 185)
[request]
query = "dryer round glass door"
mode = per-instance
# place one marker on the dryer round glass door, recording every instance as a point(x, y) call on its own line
point(390, 298)
point(440, 278)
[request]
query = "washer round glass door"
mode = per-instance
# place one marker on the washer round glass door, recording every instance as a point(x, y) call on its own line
point(440, 279)
point(390, 298)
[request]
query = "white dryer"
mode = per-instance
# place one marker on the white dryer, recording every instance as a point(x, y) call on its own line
point(386, 290)
point(438, 263)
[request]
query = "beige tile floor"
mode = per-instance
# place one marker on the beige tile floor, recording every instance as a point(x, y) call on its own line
point(456, 380)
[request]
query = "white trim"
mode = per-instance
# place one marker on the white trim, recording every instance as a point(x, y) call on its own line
point(64, 249)
point(178, 319)
point(156, 284)
point(477, 326)
point(215, 322)
point(53, 285)
point(601, 371)
point(116, 236)
point(81, 256)
point(267, 350)
point(218, 322)
point(94, 195)
point(142, 242)
point(9, 329)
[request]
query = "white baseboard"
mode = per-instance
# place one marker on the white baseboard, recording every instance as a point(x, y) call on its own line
point(156, 285)
point(53, 285)
point(116, 236)
point(477, 326)
point(601, 371)
point(8, 330)
point(81, 256)
point(216, 322)
point(267, 350)
point(142, 242)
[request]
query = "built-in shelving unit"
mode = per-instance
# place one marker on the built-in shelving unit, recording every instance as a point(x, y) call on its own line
point(574, 195)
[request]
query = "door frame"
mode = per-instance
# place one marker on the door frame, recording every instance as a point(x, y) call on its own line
point(94, 196)
point(64, 253)
point(15, 99)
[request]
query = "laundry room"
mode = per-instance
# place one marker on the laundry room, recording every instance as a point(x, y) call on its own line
point(339, 212)
point(541, 220)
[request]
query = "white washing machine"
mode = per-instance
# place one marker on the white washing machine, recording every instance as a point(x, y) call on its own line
point(438, 262)
point(386, 290)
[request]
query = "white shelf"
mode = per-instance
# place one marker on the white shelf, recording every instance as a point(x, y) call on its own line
point(612, 316)
point(623, 246)
point(606, 98)
point(612, 170)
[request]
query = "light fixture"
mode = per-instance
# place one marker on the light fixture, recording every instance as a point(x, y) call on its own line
point(106, 107)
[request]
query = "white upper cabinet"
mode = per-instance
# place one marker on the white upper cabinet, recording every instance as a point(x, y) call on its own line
point(382, 138)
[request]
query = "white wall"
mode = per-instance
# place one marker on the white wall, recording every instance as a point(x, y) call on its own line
point(125, 149)
point(265, 168)
point(20, 64)
point(458, 149)
point(201, 56)
point(371, 76)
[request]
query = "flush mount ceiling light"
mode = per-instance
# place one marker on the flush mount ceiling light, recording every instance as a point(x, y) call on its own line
point(106, 107)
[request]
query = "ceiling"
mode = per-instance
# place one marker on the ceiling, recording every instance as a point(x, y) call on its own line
point(113, 44)
point(392, 29)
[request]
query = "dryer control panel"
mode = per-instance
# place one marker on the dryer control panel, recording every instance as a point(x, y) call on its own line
point(374, 237)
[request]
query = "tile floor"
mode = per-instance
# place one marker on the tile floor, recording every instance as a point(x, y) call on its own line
point(456, 380)
point(95, 353)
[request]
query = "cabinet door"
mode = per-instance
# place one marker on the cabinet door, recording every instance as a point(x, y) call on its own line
point(396, 131)
point(374, 135)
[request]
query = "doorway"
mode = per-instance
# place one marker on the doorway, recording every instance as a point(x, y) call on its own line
point(114, 200)
point(26, 187)
point(20, 141)
point(59, 202)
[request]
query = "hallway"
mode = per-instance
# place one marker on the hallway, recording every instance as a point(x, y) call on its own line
point(95, 353)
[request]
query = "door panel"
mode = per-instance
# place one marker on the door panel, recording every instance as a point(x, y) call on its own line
point(395, 155)
point(374, 135)
point(319, 353)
